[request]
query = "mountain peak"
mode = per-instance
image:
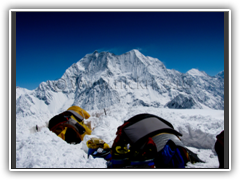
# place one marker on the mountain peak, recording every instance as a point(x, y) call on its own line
point(220, 74)
point(101, 80)
point(196, 72)
point(95, 52)
point(135, 51)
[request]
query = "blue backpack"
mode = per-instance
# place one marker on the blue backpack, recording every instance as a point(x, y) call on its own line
point(170, 157)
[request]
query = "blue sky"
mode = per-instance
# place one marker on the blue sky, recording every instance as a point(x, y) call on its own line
point(47, 43)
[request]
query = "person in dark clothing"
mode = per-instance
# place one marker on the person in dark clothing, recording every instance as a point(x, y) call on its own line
point(219, 148)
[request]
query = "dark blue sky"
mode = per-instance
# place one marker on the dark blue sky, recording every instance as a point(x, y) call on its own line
point(49, 42)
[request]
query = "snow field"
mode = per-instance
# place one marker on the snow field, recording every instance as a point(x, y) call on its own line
point(44, 149)
point(208, 156)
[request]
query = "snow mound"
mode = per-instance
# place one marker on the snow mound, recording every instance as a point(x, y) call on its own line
point(45, 150)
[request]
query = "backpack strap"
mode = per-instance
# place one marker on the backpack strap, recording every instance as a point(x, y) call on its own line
point(72, 127)
point(76, 115)
point(76, 125)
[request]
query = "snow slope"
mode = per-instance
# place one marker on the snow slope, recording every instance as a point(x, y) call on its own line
point(44, 149)
point(21, 91)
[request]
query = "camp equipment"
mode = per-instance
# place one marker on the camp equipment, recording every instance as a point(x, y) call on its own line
point(98, 148)
point(153, 142)
point(69, 125)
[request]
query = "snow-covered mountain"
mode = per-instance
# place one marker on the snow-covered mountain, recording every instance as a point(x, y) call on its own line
point(125, 85)
point(100, 80)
